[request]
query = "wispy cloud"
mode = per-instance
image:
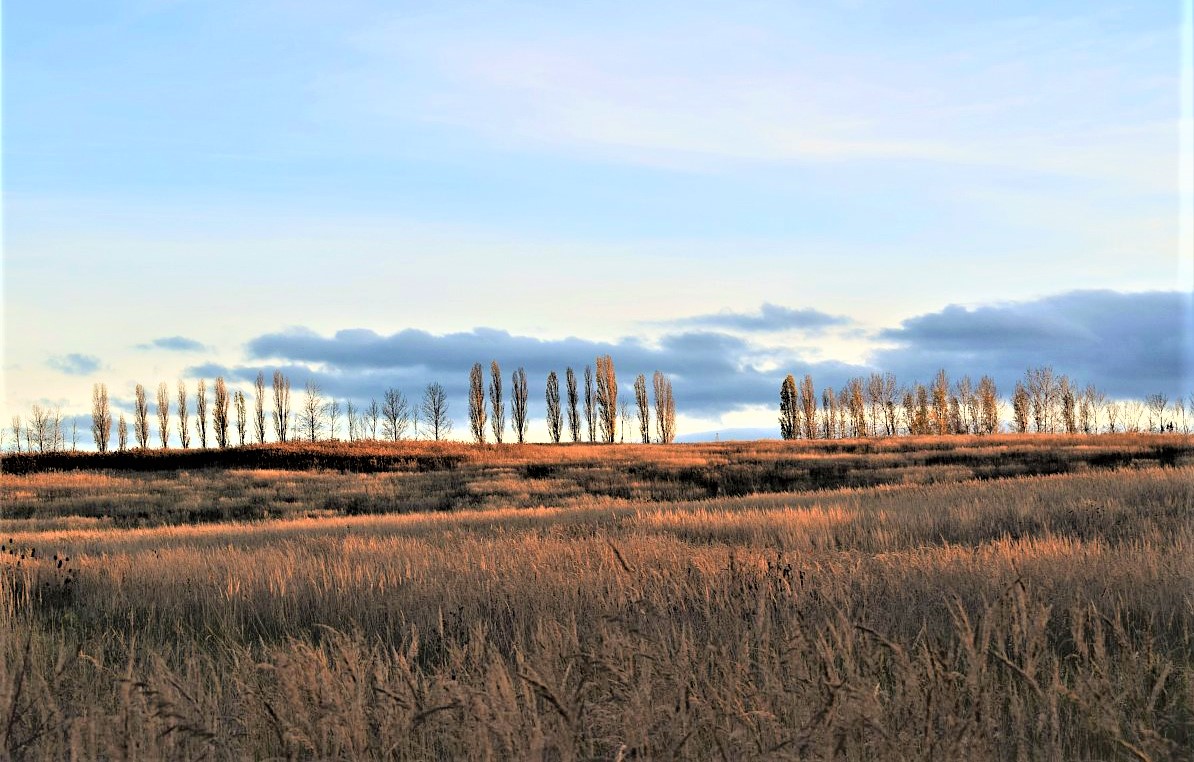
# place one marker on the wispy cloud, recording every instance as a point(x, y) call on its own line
point(74, 364)
point(771, 318)
point(174, 344)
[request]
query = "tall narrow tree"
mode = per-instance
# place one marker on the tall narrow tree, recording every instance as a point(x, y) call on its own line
point(590, 411)
point(1021, 401)
point(573, 399)
point(555, 419)
point(140, 417)
point(122, 434)
point(184, 424)
point(281, 411)
point(607, 398)
point(219, 413)
point(259, 408)
point(665, 408)
point(940, 391)
point(201, 412)
point(808, 403)
point(789, 409)
point(334, 410)
point(476, 403)
point(644, 408)
point(164, 414)
point(242, 417)
point(100, 417)
point(828, 413)
point(988, 405)
point(518, 403)
point(497, 405)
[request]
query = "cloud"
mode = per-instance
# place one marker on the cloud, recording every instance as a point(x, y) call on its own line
point(1129, 344)
point(770, 318)
point(74, 364)
point(174, 343)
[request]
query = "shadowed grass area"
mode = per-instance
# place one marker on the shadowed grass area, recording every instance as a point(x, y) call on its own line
point(1037, 617)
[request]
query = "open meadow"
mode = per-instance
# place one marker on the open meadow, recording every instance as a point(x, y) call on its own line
point(1005, 597)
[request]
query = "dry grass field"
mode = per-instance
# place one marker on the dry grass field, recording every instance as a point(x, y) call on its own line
point(951, 598)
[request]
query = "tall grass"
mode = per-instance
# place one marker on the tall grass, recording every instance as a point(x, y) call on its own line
point(1044, 617)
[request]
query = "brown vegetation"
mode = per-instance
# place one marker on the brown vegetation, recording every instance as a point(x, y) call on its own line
point(596, 602)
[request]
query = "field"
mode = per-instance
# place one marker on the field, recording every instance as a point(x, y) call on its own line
point(1015, 597)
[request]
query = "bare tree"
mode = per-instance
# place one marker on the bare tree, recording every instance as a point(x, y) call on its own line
point(16, 432)
point(1021, 402)
point(281, 411)
point(201, 412)
point(351, 415)
point(164, 414)
point(334, 411)
point(968, 414)
point(843, 410)
point(555, 420)
point(573, 398)
point(74, 432)
point(1089, 405)
point(857, 408)
point(1113, 410)
point(476, 402)
point(372, 417)
point(940, 393)
point(828, 413)
point(395, 414)
point(1069, 416)
point(789, 408)
point(665, 408)
point(435, 411)
point(1156, 404)
point(140, 417)
point(808, 402)
point(101, 417)
point(988, 404)
point(590, 412)
point(122, 434)
point(607, 398)
point(624, 417)
point(1132, 411)
point(497, 406)
point(313, 414)
point(518, 403)
point(184, 426)
point(242, 417)
point(259, 408)
point(219, 413)
point(37, 429)
point(1043, 392)
point(644, 409)
point(891, 392)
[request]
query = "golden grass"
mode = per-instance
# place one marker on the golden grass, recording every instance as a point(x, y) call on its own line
point(1044, 617)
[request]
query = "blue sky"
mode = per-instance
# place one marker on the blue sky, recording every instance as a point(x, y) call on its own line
point(182, 179)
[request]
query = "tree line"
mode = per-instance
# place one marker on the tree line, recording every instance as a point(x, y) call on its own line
point(225, 418)
point(601, 411)
point(1043, 401)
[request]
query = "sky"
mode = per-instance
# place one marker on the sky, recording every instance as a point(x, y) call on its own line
point(375, 194)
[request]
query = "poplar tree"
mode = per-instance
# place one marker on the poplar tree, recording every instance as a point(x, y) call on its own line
point(141, 417)
point(259, 408)
point(518, 403)
point(665, 408)
point(607, 398)
point(219, 413)
point(808, 401)
point(789, 409)
point(497, 406)
point(281, 408)
point(184, 425)
point(476, 402)
point(644, 409)
point(164, 414)
point(573, 400)
point(554, 417)
point(201, 412)
point(101, 417)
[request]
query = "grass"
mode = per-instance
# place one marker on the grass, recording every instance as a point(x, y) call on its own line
point(944, 615)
